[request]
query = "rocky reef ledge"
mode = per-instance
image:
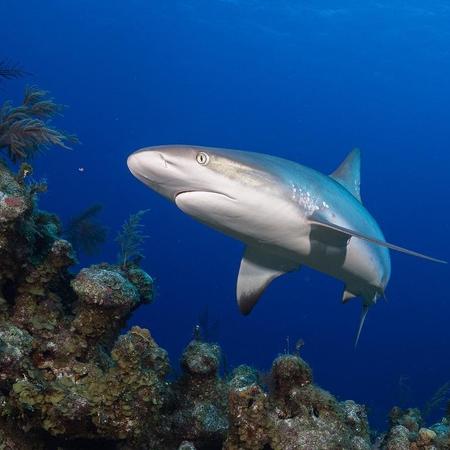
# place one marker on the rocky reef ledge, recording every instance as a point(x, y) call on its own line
point(69, 380)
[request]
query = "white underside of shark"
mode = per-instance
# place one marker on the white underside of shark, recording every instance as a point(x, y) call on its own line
point(286, 214)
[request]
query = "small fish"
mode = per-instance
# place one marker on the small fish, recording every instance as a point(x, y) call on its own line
point(197, 333)
point(299, 345)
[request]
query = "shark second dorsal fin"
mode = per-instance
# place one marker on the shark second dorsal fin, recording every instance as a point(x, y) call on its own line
point(259, 268)
point(347, 296)
point(348, 173)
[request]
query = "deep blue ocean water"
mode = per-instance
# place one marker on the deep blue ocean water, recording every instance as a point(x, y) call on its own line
point(304, 80)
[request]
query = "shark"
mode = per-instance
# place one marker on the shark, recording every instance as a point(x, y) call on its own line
point(286, 214)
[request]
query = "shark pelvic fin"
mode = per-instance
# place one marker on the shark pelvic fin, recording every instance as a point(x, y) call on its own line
point(347, 295)
point(258, 269)
point(348, 173)
point(356, 234)
point(361, 323)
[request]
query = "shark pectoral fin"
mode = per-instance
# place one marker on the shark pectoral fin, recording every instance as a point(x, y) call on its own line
point(258, 269)
point(356, 234)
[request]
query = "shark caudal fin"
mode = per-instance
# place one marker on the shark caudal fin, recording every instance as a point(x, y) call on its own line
point(258, 269)
point(362, 319)
point(353, 233)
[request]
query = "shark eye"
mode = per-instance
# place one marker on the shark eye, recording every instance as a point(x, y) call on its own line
point(202, 158)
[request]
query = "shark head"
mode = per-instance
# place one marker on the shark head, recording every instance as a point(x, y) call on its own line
point(177, 170)
point(217, 187)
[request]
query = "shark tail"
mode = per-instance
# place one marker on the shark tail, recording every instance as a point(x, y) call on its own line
point(365, 310)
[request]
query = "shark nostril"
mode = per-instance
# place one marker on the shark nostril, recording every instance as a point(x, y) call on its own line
point(164, 160)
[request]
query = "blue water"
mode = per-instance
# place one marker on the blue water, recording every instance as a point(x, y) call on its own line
point(304, 80)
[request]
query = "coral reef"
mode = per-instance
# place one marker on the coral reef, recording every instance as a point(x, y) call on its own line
point(69, 379)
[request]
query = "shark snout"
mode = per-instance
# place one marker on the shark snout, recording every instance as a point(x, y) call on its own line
point(158, 170)
point(147, 164)
point(133, 164)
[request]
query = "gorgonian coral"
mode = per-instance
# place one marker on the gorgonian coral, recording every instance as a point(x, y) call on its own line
point(130, 240)
point(10, 70)
point(26, 130)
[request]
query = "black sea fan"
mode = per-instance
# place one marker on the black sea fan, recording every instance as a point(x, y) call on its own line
point(438, 401)
point(85, 233)
point(130, 239)
point(10, 70)
point(25, 130)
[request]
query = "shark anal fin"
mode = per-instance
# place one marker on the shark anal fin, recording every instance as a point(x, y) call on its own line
point(353, 233)
point(258, 269)
point(348, 173)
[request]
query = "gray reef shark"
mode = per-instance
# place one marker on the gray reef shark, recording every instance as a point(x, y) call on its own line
point(286, 214)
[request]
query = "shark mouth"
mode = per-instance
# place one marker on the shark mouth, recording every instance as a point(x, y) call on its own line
point(201, 193)
point(207, 206)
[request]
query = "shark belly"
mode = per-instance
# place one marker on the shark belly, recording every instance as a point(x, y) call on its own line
point(283, 232)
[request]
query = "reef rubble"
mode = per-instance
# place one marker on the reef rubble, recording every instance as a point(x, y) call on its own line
point(70, 380)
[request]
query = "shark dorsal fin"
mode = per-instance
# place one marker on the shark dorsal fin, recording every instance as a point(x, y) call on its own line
point(259, 268)
point(348, 173)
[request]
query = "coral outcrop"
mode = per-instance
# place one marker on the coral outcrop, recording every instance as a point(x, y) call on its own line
point(407, 432)
point(296, 414)
point(200, 414)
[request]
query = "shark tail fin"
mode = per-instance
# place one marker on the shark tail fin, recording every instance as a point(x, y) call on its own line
point(362, 319)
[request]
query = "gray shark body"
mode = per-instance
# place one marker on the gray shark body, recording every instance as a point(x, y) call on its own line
point(286, 214)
